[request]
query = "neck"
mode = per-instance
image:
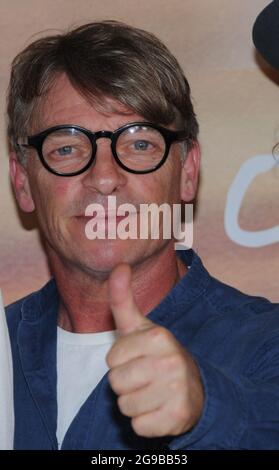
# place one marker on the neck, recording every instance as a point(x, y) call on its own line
point(84, 306)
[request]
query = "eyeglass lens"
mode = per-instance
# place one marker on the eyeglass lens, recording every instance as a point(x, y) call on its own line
point(137, 147)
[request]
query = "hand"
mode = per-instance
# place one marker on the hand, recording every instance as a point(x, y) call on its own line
point(157, 382)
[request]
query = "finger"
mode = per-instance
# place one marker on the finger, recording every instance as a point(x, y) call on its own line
point(142, 401)
point(126, 314)
point(177, 414)
point(133, 375)
point(154, 341)
point(153, 424)
point(158, 423)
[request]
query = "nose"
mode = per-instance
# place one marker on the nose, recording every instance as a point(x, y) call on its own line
point(104, 176)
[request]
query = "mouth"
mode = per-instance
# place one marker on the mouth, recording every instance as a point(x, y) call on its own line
point(107, 217)
point(107, 225)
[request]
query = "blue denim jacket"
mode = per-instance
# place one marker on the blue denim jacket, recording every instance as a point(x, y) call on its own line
point(233, 337)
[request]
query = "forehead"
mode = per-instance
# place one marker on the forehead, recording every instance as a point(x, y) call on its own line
point(64, 104)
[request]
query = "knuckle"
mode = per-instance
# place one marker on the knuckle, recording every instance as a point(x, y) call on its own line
point(116, 353)
point(125, 406)
point(122, 404)
point(144, 428)
point(173, 362)
point(158, 334)
point(176, 389)
point(179, 415)
point(138, 427)
point(110, 358)
point(112, 376)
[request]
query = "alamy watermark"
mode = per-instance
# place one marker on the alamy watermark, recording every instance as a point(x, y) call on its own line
point(147, 221)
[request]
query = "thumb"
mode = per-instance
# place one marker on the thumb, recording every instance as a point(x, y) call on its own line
point(125, 312)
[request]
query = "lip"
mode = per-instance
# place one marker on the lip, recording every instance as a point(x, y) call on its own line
point(106, 217)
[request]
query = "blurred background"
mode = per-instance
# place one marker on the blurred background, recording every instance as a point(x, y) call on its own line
point(236, 98)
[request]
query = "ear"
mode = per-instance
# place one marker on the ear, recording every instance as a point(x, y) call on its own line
point(190, 173)
point(20, 182)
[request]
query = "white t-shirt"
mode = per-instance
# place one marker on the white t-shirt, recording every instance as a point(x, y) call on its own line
point(80, 366)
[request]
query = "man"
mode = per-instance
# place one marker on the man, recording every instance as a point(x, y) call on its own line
point(104, 111)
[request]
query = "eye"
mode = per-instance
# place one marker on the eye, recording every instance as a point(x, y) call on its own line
point(142, 145)
point(66, 150)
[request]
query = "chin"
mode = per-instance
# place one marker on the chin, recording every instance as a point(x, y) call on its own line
point(98, 257)
point(101, 256)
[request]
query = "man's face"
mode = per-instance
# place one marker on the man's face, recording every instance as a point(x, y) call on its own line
point(60, 202)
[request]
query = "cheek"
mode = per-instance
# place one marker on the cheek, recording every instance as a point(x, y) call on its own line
point(50, 192)
point(160, 186)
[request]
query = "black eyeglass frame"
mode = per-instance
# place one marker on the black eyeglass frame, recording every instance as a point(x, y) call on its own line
point(170, 136)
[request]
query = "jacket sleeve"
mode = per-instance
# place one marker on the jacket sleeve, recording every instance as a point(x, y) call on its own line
point(240, 411)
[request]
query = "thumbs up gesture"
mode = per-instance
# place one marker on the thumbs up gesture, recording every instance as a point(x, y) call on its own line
point(157, 381)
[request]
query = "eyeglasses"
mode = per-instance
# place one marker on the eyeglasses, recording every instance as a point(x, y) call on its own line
point(69, 150)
